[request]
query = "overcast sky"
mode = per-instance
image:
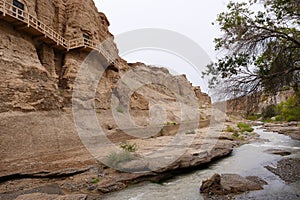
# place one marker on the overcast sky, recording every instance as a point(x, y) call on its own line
point(191, 18)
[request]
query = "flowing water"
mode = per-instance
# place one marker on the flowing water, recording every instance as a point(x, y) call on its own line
point(247, 160)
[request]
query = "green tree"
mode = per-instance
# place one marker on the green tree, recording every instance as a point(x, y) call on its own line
point(261, 41)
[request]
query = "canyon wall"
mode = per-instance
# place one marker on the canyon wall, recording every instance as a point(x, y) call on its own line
point(255, 103)
point(37, 76)
point(37, 129)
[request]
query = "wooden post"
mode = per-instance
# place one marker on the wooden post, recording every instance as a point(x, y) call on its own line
point(28, 20)
point(4, 7)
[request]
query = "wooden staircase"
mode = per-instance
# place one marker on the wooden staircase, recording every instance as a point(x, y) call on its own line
point(22, 20)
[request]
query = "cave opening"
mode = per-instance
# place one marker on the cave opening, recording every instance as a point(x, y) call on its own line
point(18, 9)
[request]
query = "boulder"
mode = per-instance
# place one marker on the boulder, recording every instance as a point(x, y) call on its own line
point(230, 184)
point(278, 152)
point(212, 184)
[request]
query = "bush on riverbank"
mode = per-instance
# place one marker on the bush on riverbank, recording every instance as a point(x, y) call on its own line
point(240, 131)
point(115, 158)
point(289, 110)
point(269, 111)
point(244, 127)
point(128, 147)
point(285, 111)
point(253, 117)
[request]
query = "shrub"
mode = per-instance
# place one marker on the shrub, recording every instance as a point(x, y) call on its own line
point(230, 129)
point(95, 180)
point(289, 110)
point(235, 135)
point(244, 127)
point(171, 123)
point(190, 132)
point(278, 118)
point(253, 117)
point(285, 88)
point(163, 132)
point(128, 147)
point(267, 120)
point(159, 182)
point(120, 109)
point(269, 111)
point(292, 118)
point(114, 158)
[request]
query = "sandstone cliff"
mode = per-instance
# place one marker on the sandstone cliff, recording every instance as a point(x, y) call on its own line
point(38, 76)
point(38, 135)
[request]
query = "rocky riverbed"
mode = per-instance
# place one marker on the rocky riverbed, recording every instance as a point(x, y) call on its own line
point(287, 169)
point(248, 161)
point(67, 167)
point(291, 129)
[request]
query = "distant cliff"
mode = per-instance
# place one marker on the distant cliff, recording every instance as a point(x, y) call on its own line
point(256, 102)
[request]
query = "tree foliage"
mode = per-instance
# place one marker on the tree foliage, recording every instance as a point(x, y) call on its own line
point(262, 47)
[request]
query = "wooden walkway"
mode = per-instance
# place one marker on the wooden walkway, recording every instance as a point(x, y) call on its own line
point(24, 21)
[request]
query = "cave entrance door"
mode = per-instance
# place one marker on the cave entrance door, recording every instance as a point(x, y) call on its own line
point(86, 39)
point(20, 6)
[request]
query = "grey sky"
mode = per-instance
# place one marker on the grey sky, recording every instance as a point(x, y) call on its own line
point(191, 18)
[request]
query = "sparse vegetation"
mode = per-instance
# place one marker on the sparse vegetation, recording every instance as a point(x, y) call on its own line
point(190, 132)
point(269, 111)
point(163, 132)
point(285, 111)
point(289, 110)
point(253, 117)
point(170, 123)
point(115, 158)
point(128, 147)
point(235, 135)
point(244, 127)
point(159, 182)
point(267, 120)
point(240, 131)
point(278, 118)
point(230, 129)
point(238, 136)
point(120, 109)
point(95, 180)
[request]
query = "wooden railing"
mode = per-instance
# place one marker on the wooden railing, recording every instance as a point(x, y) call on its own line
point(83, 42)
point(8, 9)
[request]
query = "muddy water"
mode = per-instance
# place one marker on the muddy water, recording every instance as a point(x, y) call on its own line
point(247, 160)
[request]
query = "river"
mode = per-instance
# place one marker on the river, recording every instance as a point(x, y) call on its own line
point(247, 160)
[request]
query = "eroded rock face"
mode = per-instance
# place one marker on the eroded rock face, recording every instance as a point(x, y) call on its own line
point(37, 76)
point(25, 84)
point(148, 86)
point(204, 99)
point(41, 144)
